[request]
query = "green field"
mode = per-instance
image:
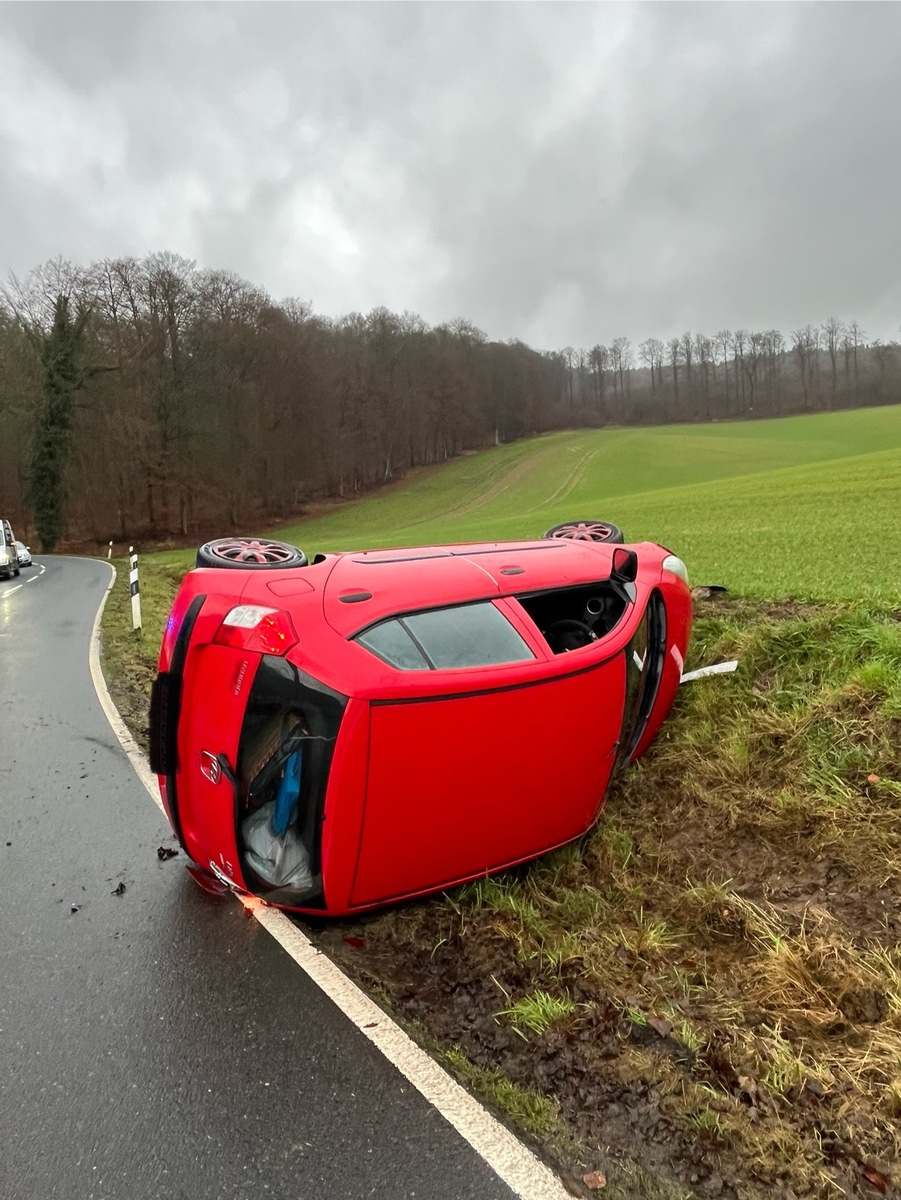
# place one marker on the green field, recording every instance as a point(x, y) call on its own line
point(802, 506)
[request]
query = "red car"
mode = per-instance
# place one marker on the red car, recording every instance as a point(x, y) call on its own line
point(336, 735)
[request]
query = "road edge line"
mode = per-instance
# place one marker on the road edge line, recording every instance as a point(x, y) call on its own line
point(510, 1159)
point(133, 751)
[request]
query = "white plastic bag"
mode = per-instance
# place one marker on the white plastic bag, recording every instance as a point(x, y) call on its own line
point(282, 861)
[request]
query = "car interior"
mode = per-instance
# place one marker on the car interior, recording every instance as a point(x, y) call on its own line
point(285, 753)
point(570, 618)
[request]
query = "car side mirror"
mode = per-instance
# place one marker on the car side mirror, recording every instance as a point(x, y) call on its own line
point(625, 565)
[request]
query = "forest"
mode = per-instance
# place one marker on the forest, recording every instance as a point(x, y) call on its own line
point(153, 399)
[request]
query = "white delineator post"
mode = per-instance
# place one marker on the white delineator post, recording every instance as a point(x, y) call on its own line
point(135, 588)
point(109, 553)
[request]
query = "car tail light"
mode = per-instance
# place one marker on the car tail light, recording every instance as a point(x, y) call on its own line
point(252, 627)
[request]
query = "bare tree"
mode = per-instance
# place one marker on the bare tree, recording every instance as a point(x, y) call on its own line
point(723, 341)
point(651, 353)
point(598, 356)
point(833, 329)
point(674, 346)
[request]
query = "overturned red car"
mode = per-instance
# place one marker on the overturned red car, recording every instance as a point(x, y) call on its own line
point(337, 735)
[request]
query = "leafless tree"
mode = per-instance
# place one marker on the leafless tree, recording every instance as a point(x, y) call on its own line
point(833, 330)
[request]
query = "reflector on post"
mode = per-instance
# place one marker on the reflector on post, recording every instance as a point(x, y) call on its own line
point(135, 588)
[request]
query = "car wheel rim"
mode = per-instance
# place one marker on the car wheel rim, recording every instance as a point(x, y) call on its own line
point(249, 550)
point(585, 531)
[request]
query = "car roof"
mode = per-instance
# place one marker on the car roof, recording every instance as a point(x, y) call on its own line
point(367, 586)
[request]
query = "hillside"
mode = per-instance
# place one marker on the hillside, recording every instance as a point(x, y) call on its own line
point(801, 506)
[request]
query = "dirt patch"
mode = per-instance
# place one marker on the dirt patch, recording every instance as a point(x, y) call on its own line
point(447, 993)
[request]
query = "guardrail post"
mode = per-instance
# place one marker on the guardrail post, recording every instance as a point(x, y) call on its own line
point(135, 589)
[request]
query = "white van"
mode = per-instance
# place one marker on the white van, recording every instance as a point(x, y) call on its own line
point(9, 558)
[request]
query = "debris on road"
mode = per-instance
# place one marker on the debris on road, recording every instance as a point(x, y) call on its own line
point(164, 852)
point(118, 891)
point(595, 1180)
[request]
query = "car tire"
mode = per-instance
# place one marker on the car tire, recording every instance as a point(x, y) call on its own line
point(587, 530)
point(250, 554)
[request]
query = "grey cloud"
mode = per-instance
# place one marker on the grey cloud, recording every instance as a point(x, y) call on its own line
point(562, 173)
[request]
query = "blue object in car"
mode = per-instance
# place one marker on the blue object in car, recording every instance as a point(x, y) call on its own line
point(288, 795)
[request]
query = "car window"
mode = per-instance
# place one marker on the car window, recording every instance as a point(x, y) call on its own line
point(391, 641)
point(572, 617)
point(469, 635)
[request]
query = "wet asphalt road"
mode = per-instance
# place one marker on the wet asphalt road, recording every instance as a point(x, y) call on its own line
point(160, 1043)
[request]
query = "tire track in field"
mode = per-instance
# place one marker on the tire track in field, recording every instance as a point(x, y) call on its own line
point(497, 489)
point(522, 470)
point(570, 483)
point(511, 479)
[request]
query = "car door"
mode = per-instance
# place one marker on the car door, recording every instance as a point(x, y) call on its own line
point(461, 784)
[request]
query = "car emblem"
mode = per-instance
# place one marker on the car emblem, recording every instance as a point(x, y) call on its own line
point(209, 766)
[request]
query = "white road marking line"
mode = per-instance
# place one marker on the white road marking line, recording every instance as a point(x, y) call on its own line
point(523, 1172)
point(3, 595)
point(133, 751)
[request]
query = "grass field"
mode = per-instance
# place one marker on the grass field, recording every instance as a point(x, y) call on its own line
point(802, 506)
point(703, 996)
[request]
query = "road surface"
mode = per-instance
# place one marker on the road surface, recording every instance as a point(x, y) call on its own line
point(159, 1043)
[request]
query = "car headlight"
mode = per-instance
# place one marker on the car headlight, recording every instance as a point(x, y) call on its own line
point(676, 566)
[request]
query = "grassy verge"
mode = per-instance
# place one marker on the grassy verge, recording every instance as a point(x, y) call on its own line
point(129, 658)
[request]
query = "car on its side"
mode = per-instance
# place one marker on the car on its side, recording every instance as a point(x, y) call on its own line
point(23, 553)
point(9, 559)
point(339, 735)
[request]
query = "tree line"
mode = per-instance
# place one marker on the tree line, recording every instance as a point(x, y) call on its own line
point(149, 398)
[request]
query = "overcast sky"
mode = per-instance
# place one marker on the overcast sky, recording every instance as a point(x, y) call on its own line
point(560, 173)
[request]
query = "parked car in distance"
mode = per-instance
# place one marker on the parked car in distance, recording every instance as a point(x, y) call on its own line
point(338, 735)
point(9, 559)
point(23, 553)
